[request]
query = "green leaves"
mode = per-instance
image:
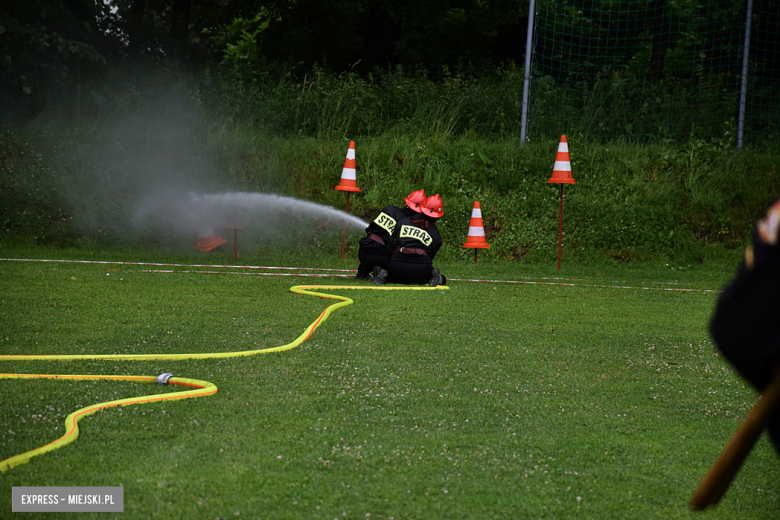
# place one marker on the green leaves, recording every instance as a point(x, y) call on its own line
point(241, 39)
point(45, 47)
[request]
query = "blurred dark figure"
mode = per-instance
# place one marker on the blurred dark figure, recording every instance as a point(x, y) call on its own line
point(746, 323)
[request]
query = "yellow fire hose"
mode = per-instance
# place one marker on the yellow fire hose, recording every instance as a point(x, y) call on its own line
point(298, 289)
point(201, 388)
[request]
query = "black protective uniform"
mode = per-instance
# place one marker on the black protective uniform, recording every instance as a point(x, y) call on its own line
point(375, 247)
point(414, 248)
point(745, 325)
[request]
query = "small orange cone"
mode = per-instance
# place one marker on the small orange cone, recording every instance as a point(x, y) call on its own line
point(476, 237)
point(562, 170)
point(208, 239)
point(348, 180)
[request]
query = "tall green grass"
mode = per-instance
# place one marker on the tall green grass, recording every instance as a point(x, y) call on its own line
point(695, 198)
point(462, 102)
point(690, 202)
point(395, 101)
point(687, 201)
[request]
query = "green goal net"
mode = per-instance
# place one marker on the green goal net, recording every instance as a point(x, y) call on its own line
point(655, 70)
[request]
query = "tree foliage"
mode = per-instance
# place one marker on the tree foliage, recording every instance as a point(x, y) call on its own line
point(46, 46)
point(50, 48)
point(363, 34)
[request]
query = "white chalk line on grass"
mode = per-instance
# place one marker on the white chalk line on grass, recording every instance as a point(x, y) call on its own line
point(674, 289)
point(173, 265)
point(255, 274)
point(473, 280)
point(155, 264)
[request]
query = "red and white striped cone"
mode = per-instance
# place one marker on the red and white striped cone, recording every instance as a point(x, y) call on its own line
point(348, 183)
point(348, 180)
point(476, 236)
point(561, 175)
point(562, 170)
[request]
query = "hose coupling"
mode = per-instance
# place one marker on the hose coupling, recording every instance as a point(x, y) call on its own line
point(162, 379)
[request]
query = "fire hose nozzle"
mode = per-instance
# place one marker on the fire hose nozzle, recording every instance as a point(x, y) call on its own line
point(162, 379)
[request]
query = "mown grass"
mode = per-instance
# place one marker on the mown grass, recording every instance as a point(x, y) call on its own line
point(487, 400)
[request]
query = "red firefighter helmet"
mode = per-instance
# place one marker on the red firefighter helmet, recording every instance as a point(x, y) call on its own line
point(434, 207)
point(416, 200)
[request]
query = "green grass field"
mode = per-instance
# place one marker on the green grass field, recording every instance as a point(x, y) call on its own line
point(488, 400)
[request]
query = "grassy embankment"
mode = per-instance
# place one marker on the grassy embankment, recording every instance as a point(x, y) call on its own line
point(484, 400)
point(72, 183)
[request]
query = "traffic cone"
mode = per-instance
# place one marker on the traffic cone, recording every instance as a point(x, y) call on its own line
point(476, 237)
point(348, 180)
point(561, 175)
point(208, 239)
point(562, 170)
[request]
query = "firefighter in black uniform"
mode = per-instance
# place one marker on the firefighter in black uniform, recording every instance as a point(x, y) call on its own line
point(374, 248)
point(415, 242)
point(745, 325)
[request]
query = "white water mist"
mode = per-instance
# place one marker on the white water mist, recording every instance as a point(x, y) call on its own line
point(264, 218)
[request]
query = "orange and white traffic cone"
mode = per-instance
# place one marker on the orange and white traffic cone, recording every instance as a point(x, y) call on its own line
point(561, 175)
point(562, 170)
point(208, 239)
point(348, 183)
point(348, 180)
point(476, 236)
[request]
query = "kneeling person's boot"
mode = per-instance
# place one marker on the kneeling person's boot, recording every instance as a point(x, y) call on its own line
point(380, 275)
point(436, 278)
